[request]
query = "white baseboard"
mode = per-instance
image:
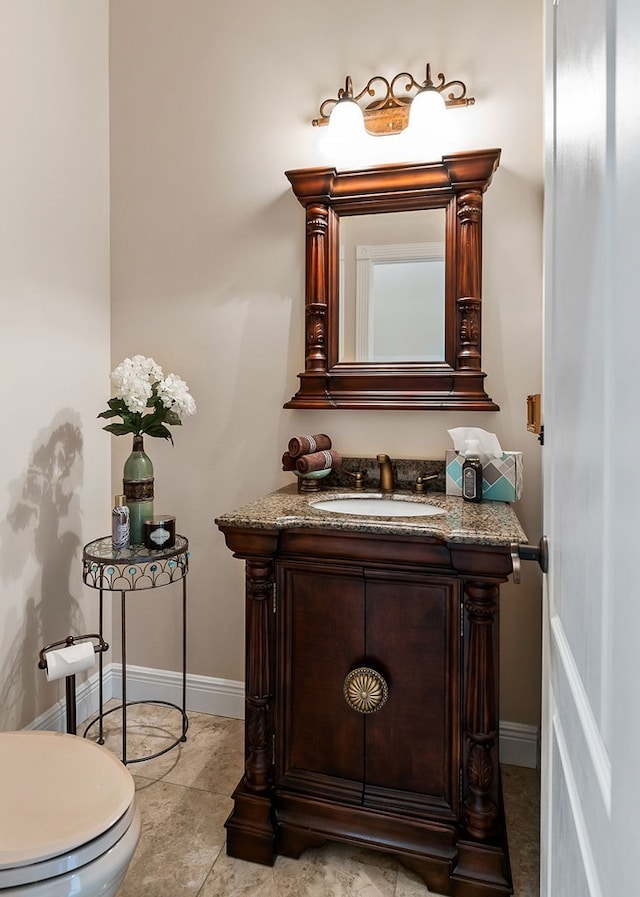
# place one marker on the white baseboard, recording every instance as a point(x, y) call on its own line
point(519, 743)
point(87, 699)
point(205, 694)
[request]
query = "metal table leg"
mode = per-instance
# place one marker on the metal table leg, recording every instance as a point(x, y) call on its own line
point(101, 674)
point(185, 721)
point(123, 622)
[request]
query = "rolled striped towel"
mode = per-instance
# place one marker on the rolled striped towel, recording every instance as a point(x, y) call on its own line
point(307, 445)
point(318, 461)
point(288, 463)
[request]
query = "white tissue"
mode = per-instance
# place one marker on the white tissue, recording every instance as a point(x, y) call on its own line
point(69, 661)
point(488, 445)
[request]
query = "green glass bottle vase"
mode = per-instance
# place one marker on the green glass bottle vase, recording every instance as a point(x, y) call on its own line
point(137, 482)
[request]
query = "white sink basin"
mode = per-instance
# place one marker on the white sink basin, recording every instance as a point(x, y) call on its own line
point(374, 506)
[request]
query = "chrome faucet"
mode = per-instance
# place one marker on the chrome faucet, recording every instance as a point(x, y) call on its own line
point(386, 473)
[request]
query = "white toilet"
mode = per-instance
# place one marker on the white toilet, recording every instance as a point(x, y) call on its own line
point(69, 824)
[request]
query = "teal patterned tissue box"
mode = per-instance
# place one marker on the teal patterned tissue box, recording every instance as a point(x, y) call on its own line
point(501, 477)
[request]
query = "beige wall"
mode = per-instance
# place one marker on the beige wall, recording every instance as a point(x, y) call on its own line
point(210, 103)
point(54, 295)
point(208, 278)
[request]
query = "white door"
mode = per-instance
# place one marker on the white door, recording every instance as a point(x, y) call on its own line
point(590, 841)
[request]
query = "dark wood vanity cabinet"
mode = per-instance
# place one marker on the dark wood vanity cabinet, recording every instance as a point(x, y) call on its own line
point(332, 619)
point(418, 776)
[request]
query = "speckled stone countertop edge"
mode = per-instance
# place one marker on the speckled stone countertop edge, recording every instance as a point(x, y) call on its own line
point(486, 523)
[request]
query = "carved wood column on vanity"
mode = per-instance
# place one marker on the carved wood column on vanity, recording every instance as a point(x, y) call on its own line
point(258, 687)
point(250, 828)
point(481, 801)
point(480, 710)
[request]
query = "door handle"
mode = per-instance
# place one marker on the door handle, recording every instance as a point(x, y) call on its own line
point(539, 553)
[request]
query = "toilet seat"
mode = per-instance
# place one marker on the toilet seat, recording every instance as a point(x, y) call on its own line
point(65, 802)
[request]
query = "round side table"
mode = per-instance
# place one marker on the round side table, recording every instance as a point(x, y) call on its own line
point(129, 570)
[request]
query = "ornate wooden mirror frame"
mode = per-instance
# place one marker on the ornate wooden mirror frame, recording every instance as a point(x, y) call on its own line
point(457, 184)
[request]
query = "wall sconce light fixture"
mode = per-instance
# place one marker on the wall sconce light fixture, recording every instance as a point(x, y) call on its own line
point(389, 113)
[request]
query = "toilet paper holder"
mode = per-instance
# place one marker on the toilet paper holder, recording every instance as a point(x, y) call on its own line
point(70, 681)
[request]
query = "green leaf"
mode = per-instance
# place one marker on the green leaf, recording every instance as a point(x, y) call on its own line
point(173, 418)
point(119, 429)
point(158, 430)
point(149, 422)
point(117, 408)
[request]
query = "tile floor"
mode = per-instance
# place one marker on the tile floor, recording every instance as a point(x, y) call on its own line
point(184, 801)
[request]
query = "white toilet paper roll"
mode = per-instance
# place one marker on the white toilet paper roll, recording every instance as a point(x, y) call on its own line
point(69, 661)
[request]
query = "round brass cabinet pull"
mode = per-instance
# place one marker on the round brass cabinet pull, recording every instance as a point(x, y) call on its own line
point(365, 690)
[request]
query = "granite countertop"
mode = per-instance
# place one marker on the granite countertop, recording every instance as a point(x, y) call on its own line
point(487, 523)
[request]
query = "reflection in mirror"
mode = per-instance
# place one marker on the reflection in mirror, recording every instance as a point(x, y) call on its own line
point(392, 289)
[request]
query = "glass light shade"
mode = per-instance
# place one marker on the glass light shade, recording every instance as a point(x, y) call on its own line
point(346, 121)
point(426, 110)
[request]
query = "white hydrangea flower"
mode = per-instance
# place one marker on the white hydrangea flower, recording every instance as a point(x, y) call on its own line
point(133, 380)
point(174, 393)
point(143, 368)
point(146, 401)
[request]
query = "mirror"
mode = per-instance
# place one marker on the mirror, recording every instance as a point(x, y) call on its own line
point(393, 285)
point(387, 279)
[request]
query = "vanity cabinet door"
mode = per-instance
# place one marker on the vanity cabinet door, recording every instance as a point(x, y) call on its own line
point(320, 626)
point(412, 746)
point(334, 618)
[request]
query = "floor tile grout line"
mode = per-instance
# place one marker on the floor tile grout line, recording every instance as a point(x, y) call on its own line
point(208, 875)
point(202, 790)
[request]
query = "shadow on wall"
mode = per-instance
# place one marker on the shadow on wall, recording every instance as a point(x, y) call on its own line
point(38, 540)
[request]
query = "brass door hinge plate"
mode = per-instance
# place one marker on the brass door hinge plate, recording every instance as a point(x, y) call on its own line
point(534, 414)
